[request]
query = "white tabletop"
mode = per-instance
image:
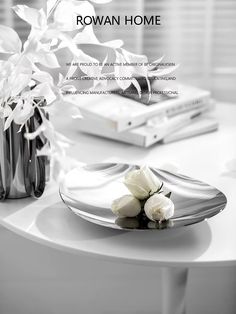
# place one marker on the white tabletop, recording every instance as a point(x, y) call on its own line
point(49, 222)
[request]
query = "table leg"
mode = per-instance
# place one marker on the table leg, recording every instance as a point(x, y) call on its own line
point(174, 281)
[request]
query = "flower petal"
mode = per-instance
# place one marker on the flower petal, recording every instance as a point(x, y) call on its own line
point(31, 136)
point(155, 63)
point(88, 70)
point(159, 207)
point(44, 90)
point(161, 72)
point(19, 83)
point(126, 206)
point(48, 59)
point(34, 17)
point(122, 71)
point(50, 5)
point(42, 77)
point(86, 36)
point(138, 191)
point(8, 121)
point(24, 112)
point(9, 40)
point(116, 43)
point(140, 60)
point(66, 13)
point(12, 116)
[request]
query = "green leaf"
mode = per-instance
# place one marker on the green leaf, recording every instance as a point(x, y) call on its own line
point(168, 195)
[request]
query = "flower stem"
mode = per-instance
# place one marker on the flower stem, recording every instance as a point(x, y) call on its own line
point(53, 8)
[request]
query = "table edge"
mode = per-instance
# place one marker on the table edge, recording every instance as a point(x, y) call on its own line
point(119, 259)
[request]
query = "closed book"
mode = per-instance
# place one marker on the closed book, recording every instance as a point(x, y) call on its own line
point(202, 125)
point(120, 113)
point(153, 131)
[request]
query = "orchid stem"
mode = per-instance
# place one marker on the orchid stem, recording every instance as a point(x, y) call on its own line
point(53, 8)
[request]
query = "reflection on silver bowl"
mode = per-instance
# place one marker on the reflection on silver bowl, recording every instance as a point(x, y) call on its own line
point(142, 223)
point(89, 191)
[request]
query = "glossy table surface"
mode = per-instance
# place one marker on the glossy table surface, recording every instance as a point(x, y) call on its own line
point(211, 242)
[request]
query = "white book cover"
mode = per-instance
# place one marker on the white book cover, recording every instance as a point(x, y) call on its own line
point(153, 131)
point(200, 126)
point(121, 113)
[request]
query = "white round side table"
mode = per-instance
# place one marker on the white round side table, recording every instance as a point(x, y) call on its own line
point(210, 243)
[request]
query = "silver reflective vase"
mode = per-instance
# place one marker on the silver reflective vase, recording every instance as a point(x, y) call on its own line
point(22, 172)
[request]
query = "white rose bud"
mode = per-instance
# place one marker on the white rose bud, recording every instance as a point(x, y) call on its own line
point(142, 183)
point(126, 206)
point(159, 207)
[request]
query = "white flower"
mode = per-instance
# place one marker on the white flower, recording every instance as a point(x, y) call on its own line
point(159, 207)
point(126, 206)
point(142, 183)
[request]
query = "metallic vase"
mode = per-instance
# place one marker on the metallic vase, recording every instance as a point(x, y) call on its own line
point(22, 172)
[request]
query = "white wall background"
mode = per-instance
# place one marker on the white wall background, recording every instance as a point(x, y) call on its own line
point(35, 279)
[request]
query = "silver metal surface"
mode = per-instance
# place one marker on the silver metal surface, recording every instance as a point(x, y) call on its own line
point(89, 191)
point(22, 173)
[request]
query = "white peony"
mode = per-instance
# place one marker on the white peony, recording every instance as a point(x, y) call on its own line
point(159, 207)
point(126, 206)
point(142, 183)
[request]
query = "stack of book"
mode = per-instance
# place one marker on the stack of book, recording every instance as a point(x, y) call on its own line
point(132, 121)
